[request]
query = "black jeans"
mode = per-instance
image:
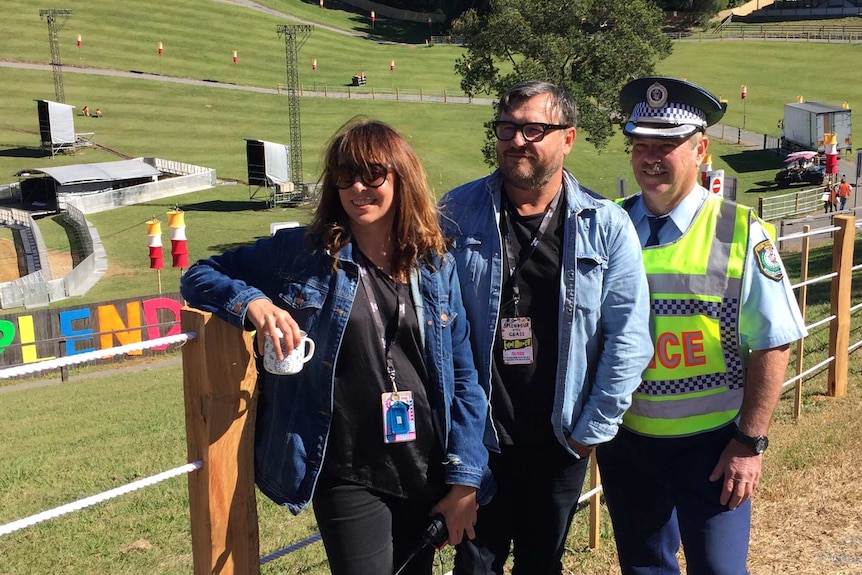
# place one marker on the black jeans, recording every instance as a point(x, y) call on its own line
point(366, 532)
point(538, 487)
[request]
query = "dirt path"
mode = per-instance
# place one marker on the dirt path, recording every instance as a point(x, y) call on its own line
point(60, 263)
point(8, 261)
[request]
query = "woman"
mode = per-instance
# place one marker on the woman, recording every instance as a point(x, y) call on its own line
point(371, 284)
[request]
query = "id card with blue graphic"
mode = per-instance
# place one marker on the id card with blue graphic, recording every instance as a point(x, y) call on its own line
point(399, 419)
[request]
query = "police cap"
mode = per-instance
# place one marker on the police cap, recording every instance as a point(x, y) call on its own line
point(660, 107)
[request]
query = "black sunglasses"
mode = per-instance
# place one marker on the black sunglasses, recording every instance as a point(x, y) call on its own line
point(372, 175)
point(532, 131)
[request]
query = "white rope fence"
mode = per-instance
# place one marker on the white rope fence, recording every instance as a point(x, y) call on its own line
point(135, 485)
point(88, 501)
point(59, 362)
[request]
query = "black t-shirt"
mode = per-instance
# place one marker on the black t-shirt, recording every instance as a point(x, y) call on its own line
point(522, 396)
point(356, 451)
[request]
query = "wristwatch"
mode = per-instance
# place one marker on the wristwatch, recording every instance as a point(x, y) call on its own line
point(758, 444)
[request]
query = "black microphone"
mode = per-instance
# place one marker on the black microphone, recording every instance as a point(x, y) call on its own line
point(435, 534)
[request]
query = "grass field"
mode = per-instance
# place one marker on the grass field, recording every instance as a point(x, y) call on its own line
point(61, 443)
point(199, 37)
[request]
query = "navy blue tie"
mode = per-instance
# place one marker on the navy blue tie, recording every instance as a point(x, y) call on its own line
point(655, 224)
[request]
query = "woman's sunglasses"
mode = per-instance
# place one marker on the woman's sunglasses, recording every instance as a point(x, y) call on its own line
point(372, 175)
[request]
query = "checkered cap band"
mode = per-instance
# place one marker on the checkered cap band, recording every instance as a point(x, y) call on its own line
point(670, 113)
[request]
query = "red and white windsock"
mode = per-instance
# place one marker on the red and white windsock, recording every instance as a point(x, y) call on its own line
point(161, 48)
point(392, 65)
point(79, 40)
point(234, 57)
point(830, 142)
point(154, 242)
point(179, 247)
point(743, 91)
point(314, 64)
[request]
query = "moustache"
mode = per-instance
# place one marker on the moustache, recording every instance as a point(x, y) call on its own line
point(518, 154)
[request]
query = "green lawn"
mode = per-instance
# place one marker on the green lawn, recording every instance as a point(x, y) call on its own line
point(207, 125)
point(199, 37)
point(775, 73)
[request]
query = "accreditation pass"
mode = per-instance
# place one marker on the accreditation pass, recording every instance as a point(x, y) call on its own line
point(517, 338)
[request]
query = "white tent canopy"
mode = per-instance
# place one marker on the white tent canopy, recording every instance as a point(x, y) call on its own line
point(102, 172)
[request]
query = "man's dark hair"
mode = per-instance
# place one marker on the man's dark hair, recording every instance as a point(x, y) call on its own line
point(562, 102)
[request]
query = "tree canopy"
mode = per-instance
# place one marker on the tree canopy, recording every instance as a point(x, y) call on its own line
point(689, 11)
point(590, 47)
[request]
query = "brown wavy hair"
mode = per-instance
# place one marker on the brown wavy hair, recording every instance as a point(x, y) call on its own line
point(416, 232)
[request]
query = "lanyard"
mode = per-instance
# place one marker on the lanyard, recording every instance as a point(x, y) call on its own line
point(385, 342)
point(515, 264)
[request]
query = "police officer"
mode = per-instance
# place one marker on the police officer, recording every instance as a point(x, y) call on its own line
point(688, 455)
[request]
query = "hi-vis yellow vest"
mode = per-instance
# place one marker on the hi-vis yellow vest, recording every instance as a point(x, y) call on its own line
point(695, 381)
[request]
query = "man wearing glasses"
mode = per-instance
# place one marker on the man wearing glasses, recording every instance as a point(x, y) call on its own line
point(555, 291)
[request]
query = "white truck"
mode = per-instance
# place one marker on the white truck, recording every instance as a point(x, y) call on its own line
point(805, 123)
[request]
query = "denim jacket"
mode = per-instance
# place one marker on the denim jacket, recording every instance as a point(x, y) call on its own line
point(294, 411)
point(604, 335)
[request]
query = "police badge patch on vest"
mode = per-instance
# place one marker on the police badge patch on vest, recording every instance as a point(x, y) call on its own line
point(767, 260)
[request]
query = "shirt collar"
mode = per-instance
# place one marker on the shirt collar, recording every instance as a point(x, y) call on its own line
point(681, 215)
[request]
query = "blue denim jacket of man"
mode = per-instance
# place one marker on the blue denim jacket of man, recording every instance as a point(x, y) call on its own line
point(294, 411)
point(604, 335)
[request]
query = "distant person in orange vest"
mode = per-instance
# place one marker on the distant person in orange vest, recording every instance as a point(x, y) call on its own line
point(843, 192)
point(85, 111)
point(98, 113)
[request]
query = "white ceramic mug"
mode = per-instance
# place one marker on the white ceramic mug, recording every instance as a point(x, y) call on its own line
point(293, 360)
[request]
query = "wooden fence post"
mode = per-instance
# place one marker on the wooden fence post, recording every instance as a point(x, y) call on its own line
point(219, 380)
point(839, 328)
point(61, 351)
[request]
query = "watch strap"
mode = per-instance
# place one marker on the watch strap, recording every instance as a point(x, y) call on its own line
point(758, 443)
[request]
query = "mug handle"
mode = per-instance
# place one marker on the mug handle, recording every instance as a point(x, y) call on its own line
point(308, 354)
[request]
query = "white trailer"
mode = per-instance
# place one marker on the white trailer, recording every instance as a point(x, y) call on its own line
point(806, 122)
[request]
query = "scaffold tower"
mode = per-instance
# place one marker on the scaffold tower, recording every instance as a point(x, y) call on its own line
point(56, 18)
point(294, 37)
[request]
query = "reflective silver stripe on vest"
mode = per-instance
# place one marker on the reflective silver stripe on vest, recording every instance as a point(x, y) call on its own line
point(730, 400)
point(714, 283)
